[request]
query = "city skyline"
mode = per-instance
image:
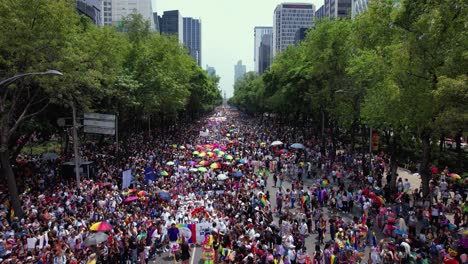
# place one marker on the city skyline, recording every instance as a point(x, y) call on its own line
point(227, 34)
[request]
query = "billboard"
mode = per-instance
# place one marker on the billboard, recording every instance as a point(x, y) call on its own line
point(99, 123)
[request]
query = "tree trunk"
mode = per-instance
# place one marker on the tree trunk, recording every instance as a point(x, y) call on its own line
point(353, 135)
point(425, 162)
point(11, 182)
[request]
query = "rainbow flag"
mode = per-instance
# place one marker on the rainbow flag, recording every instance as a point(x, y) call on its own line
point(324, 182)
point(263, 201)
point(364, 219)
point(305, 199)
point(333, 259)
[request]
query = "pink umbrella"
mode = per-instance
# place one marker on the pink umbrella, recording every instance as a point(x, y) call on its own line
point(130, 199)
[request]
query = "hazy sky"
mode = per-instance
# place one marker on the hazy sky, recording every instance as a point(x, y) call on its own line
point(227, 30)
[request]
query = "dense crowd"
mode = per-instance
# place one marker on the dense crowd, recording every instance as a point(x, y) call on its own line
point(214, 174)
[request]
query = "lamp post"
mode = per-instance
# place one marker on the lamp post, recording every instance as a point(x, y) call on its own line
point(8, 81)
point(75, 145)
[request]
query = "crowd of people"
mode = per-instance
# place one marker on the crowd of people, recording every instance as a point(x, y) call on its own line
point(207, 186)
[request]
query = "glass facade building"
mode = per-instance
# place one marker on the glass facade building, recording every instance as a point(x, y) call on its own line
point(259, 33)
point(287, 19)
point(192, 38)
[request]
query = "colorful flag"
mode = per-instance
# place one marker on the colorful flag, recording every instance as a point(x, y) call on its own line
point(364, 219)
point(374, 239)
point(263, 201)
point(304, 199)
point(12, 214)
point(333, 259)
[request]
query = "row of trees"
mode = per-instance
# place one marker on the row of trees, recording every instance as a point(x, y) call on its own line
point(398, 68)
point(130, 71)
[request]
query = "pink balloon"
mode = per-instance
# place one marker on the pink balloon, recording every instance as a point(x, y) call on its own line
point(463, 257)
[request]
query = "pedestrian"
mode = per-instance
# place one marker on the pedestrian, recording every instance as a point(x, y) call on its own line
point(184, 251)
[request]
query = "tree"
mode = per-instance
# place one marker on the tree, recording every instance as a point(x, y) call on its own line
point(34, 36)
point(435, 39)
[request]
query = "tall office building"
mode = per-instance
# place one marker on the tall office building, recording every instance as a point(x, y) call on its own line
point(287, 19)
point(239, 71)
point(259, 32)
point(192, 38)
point(337, 8)
point(211, 71)
point(91, 9)
point(171, 23)
point(358, 7)
point(264, 53)
point(156, 22)
point(107, 12)
point(320, 13)
point(123, 8)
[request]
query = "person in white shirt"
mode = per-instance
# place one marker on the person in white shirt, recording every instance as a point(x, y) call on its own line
point(406, 186)
point(303, 230)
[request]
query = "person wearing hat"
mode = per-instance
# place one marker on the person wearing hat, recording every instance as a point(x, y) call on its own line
point(291, 255)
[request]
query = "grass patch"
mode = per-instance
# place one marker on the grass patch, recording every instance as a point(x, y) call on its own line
point(41, 148)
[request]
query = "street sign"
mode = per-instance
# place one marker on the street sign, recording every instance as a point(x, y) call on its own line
point(99, 116)
point(99, 130)
point(99, 123)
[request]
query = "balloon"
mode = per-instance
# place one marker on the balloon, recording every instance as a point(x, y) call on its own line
point(463, 258)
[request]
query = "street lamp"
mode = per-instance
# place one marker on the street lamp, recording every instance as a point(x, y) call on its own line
point(8, 81)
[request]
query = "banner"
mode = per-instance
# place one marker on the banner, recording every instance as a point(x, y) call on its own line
point(149, 174)
point(126, 178)
point(194, 233)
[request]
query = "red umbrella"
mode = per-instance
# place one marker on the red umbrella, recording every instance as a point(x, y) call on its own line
point(101, 226)
point(130, 199)
point(197, 210)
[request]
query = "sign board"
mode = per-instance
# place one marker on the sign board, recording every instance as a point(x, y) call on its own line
point(99, 130)
point(99, 123)
point(99, 116)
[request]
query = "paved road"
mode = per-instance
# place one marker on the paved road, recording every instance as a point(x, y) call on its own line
point(310, 241)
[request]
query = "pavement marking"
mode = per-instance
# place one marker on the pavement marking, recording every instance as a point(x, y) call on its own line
point(193, 255)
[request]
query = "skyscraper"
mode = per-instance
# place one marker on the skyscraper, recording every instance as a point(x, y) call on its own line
point(259, 32)
point(320, 13)
point(287, 19)
point(358, 7)
point(337, 8)
point(239, 71)
point(107, 12)
point(211, 71)
point(192, 38)
point(91, 9)
point(171, 23)
point(123, 8)
point(264, 53)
